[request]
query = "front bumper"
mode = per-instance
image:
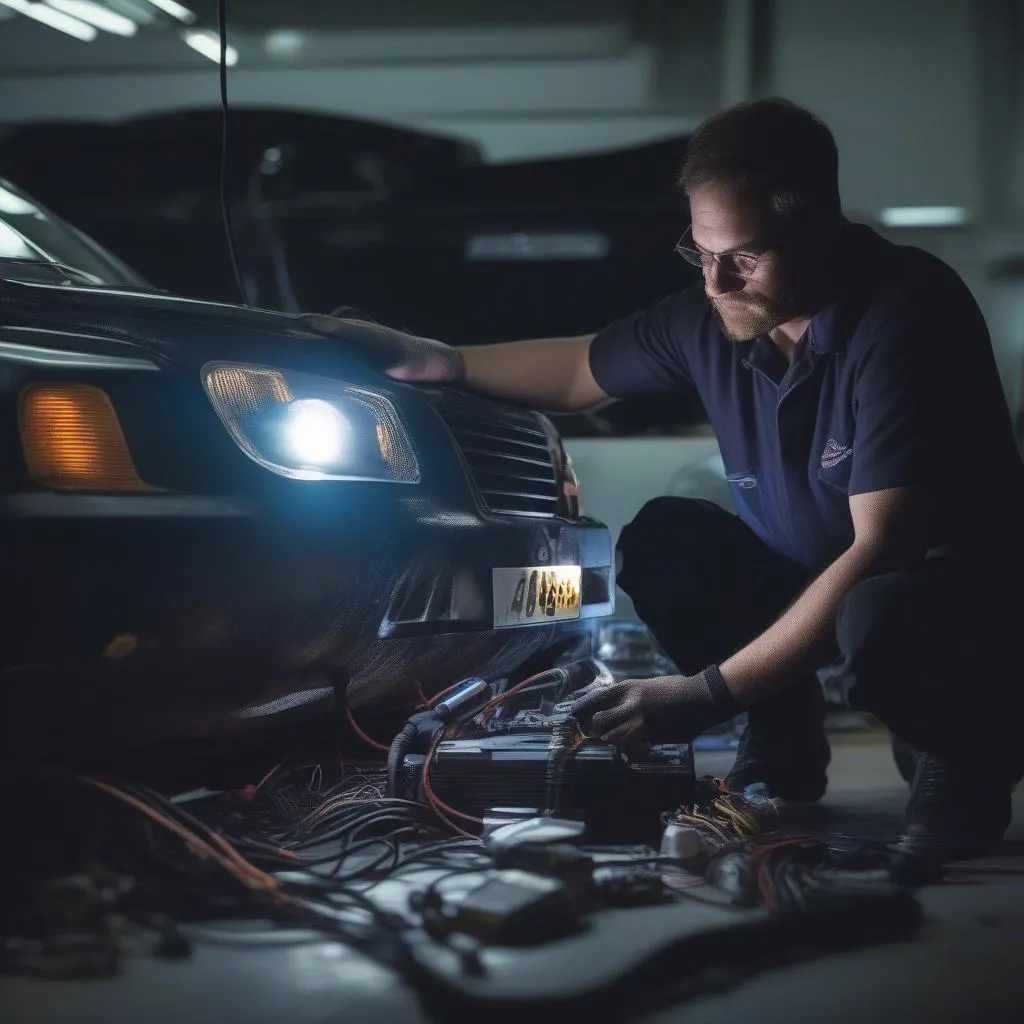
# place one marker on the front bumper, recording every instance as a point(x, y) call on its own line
point(231, 596)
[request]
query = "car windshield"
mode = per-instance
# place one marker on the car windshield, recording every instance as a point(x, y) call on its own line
point(36, 245)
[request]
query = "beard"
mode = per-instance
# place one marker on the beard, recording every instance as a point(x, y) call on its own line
point(743, 317)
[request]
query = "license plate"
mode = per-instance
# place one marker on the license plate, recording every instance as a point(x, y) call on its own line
point(542, 593)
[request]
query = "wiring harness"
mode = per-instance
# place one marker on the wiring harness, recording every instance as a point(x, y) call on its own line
point(305, 847)
point(741, 846)
point(140, 871)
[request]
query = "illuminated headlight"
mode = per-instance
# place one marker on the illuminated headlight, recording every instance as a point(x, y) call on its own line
point(311, 428)
point(317, 433)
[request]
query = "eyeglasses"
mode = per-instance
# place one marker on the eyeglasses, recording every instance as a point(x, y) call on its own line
point(739, 264)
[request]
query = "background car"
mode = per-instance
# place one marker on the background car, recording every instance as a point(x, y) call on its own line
point(411, 225)
point(219, 522)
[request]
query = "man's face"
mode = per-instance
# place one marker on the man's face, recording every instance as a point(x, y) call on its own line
point(747, 305)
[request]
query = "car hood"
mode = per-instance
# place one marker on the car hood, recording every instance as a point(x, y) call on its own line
point(171, 330)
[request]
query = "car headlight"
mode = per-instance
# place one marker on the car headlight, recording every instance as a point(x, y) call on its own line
point(311, 428)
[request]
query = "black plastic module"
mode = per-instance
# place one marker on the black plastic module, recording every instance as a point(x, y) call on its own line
point(620, 799)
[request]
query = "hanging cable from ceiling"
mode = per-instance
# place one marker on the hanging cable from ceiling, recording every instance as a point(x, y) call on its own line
point(225, 202)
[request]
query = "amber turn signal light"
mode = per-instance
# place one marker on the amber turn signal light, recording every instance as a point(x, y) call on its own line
point(73, 441)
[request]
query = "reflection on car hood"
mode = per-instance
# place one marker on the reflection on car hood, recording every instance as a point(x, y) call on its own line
point(172, 328)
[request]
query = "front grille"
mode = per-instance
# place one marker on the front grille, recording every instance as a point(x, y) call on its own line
point(509, 459)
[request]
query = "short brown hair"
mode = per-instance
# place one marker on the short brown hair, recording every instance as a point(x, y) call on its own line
point(773, 152)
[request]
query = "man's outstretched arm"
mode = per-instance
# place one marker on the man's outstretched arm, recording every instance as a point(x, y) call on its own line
point(552, 374)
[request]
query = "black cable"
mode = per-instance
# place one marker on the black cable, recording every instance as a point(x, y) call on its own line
point(225, 204)
point(344, 820)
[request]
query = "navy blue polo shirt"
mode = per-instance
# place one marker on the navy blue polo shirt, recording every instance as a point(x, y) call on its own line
point(893, 384)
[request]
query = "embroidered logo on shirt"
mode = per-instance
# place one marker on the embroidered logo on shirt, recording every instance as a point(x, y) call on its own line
point(834, 453)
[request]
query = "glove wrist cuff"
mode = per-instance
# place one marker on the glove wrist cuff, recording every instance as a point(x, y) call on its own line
point(721, 696)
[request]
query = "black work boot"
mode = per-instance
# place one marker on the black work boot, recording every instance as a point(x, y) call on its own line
point(956, 811)
point(784, 745)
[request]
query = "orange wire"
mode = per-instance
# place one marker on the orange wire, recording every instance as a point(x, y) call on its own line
point(437, 805)
point(495, 701)
point(362, 735)
point(759, 856)
point(273, 771)
point(227, 857)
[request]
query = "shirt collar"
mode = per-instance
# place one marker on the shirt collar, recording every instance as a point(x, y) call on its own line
point(825, 330)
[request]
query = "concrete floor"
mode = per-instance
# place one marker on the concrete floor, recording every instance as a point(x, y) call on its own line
point(965, 965)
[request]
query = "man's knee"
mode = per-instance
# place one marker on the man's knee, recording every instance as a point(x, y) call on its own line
point(872, 615)
point(883, 630)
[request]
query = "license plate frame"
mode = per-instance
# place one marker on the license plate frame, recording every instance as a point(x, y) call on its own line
point(536, 594)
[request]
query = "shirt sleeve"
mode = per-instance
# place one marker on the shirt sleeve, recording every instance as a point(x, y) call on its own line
point(905, 392)
point(646, 352)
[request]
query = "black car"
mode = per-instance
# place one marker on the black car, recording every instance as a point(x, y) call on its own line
point(216, 520)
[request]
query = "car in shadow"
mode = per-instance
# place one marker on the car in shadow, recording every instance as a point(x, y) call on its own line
point(218, 522)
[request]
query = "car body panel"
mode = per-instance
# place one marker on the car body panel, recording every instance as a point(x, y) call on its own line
point(227, 596)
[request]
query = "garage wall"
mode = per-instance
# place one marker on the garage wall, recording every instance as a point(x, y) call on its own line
point(925, 101)
point(897, 82)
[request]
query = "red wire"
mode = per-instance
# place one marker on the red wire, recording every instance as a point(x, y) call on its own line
point(273, 771)
point(440, 808)
point(437, 805)
point(444, 693)
point(362, 735)
point(222, 852)
point(495, 701)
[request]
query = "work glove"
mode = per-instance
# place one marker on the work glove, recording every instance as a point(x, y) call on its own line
point(664, 709)
point(402, 356)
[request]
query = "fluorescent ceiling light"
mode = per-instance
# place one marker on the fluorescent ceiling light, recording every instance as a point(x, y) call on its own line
point(924, 216)
point(284, 42)
point(175, 10)
point(94, 14)
point(55, 19)
point(208, 44)
point(138, 10)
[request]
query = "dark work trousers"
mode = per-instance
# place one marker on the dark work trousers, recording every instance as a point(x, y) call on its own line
point(934, 651)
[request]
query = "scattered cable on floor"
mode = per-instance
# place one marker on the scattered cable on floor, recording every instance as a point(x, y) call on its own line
point(168, 865)
point(212, 845)
point(306, 845)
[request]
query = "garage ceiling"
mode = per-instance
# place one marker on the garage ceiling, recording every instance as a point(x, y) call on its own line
point(314, 33)
point(519, 77)
point(267, 15)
